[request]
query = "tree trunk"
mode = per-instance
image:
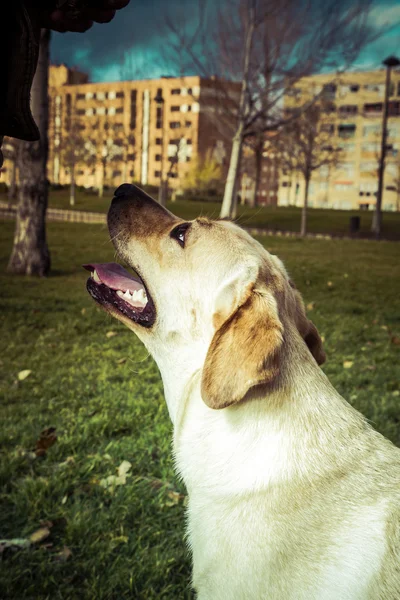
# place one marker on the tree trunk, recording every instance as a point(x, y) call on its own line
point(30, 254)
point(303, 229)
point(72, 187)
point(101, 186)
point(228, 209)
point(258, 153)
point(12, 190)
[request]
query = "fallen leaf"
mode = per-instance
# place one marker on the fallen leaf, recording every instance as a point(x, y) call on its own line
point(24, 374)
point(124, 467)
point(64, 555)
point(396, 393)
point(371, 367)
point(329, 284)
point(121, 361)
point(345, 275)
point(310, 306)
point(384, 327)
point(348, 364)
point(83, 311)
point(39, 535)
point(175, 496)
point(47, 438)
point(395, 340)
point(111, 334)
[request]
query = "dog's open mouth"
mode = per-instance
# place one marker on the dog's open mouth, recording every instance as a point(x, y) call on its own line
point(114, 288)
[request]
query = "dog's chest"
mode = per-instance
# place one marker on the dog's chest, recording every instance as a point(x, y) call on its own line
point(247, 550)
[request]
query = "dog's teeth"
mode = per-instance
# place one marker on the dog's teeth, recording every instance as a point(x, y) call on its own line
point(96, 277)
point(120, 294)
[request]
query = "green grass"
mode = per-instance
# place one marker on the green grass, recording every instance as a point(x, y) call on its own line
point(104, 396)
point(282, 218)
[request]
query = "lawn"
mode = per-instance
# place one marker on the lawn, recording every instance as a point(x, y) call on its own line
point(275, 218)
point(92, 380)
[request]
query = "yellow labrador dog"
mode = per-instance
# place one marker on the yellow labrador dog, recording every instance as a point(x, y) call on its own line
point(292, 495)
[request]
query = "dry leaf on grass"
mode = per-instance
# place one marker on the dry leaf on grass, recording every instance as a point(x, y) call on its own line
point(348, 364)
point(120, 479)
point(121, 361)
point(47, 438)
point(111, 334)
point(39, 535)
point(395, 340)
point(24, 374)
point(64, 555)
point(310, 306)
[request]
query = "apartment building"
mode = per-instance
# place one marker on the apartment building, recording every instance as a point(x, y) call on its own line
point(139, 130)
point(354, 107)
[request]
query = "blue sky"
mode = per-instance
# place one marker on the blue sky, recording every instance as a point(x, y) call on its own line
point(135, 44)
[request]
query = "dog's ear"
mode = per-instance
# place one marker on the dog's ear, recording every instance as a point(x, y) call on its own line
point(306, 328)
point(245, 349)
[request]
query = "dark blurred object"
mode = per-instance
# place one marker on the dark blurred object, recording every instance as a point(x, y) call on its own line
point(20, 25)
point(355, 223)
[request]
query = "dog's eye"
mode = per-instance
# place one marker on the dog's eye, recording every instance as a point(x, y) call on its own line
point(179, 233)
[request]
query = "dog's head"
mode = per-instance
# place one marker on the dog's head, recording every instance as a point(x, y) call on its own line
point(206, 285)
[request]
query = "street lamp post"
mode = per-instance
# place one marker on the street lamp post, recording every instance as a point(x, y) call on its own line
point(159, 100)
point(390, 62)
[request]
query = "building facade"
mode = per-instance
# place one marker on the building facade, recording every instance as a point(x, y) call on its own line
point(138, 131)
point(355, 110)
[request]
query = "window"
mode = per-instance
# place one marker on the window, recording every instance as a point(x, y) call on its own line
point(347, 168)
point(286, 184)
point(368, 167)
point(89, 95)
point(159, 112)
point(80, 96)
point(348, 109)
point(133, 109)
point(119, 110)
point(173, 175)
point(189, 141)
point(101, 110)
point(176, 92)
point(188, 123)
point(346, 130)
point(375, 108)
point(372, 130)
point(354, 88)
point(174, 142)
point(119, 95)
point(101, 96)
point(157, 173)
point(370, 147)
point(394, 109)
point(131, 156)
point(111, 110)
point(158, 141)
point(89, 112)
point(131, 173)
point(158, 157)
point(111, 95)
point(374, 87)
point(175, 108)
point(80, 111)
point(175, 124)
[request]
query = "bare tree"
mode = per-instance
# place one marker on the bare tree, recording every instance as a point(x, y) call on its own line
point(30, 254)
point(267, 46)
point(304, 146)
point(75, 150)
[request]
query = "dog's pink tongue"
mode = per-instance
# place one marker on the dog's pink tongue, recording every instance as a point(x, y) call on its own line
point(115, 276)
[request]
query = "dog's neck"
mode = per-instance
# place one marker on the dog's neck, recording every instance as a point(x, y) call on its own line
point(295, 432)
